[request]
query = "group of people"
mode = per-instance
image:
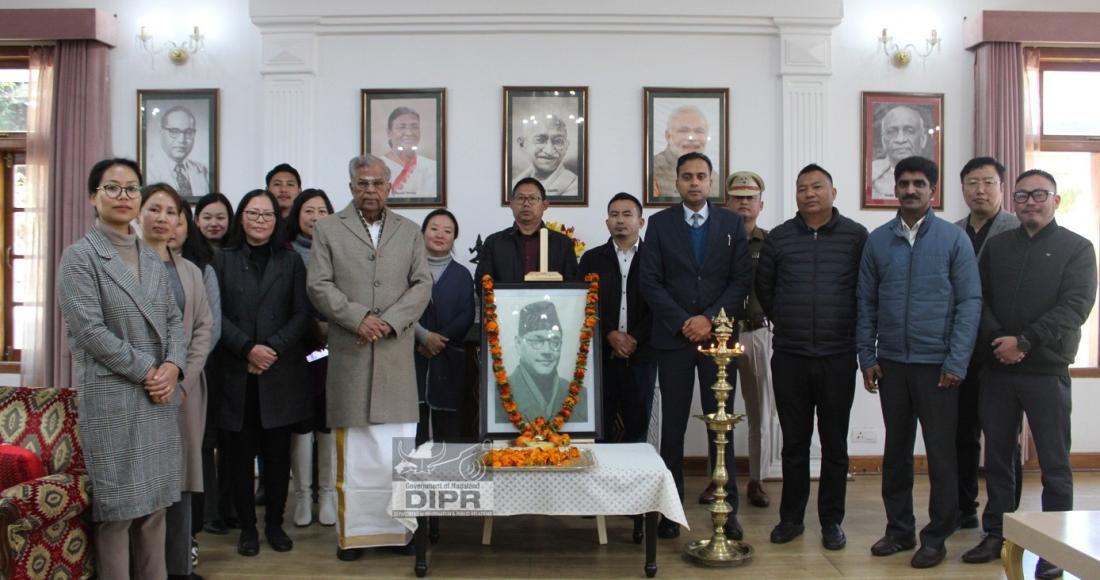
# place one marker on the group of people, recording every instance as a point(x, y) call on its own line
point(286, 331)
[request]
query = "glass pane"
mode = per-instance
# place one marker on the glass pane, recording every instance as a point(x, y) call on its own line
point(14, 85)
point(1069, 102)
point(21, 317)
point(20, 280)
point(22, 193)
point(1078, 176)
point(21, 233)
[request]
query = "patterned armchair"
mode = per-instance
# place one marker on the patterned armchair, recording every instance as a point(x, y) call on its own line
point(44, 523)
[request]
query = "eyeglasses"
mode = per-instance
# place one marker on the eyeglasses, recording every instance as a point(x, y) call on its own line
point(1039, 195)
point(541, 342)
point(114, 191)
point(990, 182)
point(526, 199)
point(259, 216)
point(178, 133)
point(365, 184)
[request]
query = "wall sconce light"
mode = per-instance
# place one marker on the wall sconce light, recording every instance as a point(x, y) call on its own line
point(902, 55)
point(178, 53)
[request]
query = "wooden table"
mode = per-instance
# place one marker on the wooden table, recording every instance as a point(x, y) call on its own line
point(1070, 540)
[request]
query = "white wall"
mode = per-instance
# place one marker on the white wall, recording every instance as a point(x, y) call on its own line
point(473, 67)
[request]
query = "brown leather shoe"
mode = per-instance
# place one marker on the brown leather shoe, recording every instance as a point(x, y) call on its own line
point(707, 497)
point(757, 496)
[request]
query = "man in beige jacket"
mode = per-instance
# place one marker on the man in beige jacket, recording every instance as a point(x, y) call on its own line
point(369, 278)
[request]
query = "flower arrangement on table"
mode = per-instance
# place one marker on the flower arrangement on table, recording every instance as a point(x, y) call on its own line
point(541, 440)
point(578, 245)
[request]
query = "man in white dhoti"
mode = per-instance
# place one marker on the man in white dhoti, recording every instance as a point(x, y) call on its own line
point(382, 288)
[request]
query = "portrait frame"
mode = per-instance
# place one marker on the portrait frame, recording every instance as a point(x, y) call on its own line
point(659, 104)
point(569, 300)
point(876, 171)
point(376, 106)
point(567, 185)
point(151, 157)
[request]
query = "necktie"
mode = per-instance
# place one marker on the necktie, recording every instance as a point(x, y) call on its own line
point(182, 180)
point(696, 220)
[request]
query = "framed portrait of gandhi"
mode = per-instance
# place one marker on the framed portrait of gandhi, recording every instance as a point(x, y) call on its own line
point(676, 122)
point(406, 128)
point(896, 126)
point(540, 336)
point(546, 137)
point(177, 139)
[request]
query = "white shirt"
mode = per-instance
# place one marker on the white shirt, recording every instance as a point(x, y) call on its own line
point(911, 233)
point(704, 213)
point(625, 258)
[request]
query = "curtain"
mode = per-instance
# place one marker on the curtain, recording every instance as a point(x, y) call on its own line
point(1032, 102)
point(999, 107)
point(35, 367)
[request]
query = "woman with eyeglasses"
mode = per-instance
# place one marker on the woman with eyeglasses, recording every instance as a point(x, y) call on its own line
point(160, 215)
point(262, 358)
point(129, 350)
point(308, 208)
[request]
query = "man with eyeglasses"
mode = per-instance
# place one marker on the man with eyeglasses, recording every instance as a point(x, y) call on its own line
point(508, 255)
point(369, 278)
point(1039, 286)
point(177, 139)
point(537, 388)
point(983, 191)
point(545, 141)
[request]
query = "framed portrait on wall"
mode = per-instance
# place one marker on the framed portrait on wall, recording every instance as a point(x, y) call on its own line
point(177, 140)
point(406, 128)
point(540, 336)
point(896, 126)
point(679, 121)
point(546, 137)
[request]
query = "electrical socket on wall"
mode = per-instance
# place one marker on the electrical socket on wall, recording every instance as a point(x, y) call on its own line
point(865, 435)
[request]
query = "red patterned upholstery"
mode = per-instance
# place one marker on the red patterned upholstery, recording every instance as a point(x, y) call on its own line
point(44, 523)
point(17, 465)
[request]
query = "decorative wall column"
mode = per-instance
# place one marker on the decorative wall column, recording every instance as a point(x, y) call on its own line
point(288, 69)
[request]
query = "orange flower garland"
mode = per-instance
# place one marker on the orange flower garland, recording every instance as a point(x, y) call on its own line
point(540, 429)
point(529, 456)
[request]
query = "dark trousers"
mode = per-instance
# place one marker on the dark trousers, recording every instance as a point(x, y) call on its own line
point(177, 536)
point(968, 444)
point(1048, 402)
point(803, 384)
point(676, 370)
point(628, 392)
point(910, 393)
point(445, 425)
point(242, 448)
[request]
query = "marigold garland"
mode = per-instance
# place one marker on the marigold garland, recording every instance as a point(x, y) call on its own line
point(530, 456)
point(540, 429)
point(568, 231)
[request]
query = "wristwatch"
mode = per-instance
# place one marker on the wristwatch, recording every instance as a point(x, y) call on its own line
point(1022, 343)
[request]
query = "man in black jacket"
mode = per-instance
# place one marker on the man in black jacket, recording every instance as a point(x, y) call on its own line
point(1038, 285)
point(629, 372)
point(806, 283)
point(511, 253)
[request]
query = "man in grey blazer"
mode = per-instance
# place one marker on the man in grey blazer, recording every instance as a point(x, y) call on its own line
point(983, 190)
point(369, 278)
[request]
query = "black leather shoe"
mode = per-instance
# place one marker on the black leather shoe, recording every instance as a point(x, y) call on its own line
point(784, 532)
point(987, 550)
point(249, 542)
point(708, 497)
point(277, 538)
point(668, 529)
point(968, 521)
point(889, 545)
point(832, 537)
point(349, 555)
point(733, 529)
point(927, 556)
point(1046, 571)
point(216, 527)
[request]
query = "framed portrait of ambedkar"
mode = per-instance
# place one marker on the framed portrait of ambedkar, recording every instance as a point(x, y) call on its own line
point(177, 140)
point(406, 129)
point(677, 122)
point(896, 126)
point(539, 330)
point(546, 137)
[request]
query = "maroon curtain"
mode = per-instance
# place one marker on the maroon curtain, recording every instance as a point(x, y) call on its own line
point(999, 123)
point(81, 137)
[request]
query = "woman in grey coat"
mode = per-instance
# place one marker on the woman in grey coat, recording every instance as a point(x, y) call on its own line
point(125, 332)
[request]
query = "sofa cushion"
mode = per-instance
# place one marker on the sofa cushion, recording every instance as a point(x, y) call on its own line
point(18, 465)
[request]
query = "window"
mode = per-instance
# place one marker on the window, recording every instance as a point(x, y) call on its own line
point(14, 273)
point(1069, 80)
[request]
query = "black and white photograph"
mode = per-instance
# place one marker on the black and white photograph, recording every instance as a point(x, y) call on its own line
point(540, 329)
point(406, 128)
point(178, 139)
point(546, 137)
point(679, 121)
point(896, 126)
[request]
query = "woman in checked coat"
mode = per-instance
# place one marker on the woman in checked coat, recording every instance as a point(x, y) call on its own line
point(126, 337)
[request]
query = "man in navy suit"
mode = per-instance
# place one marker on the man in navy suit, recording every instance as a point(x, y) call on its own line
point(688, 275)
